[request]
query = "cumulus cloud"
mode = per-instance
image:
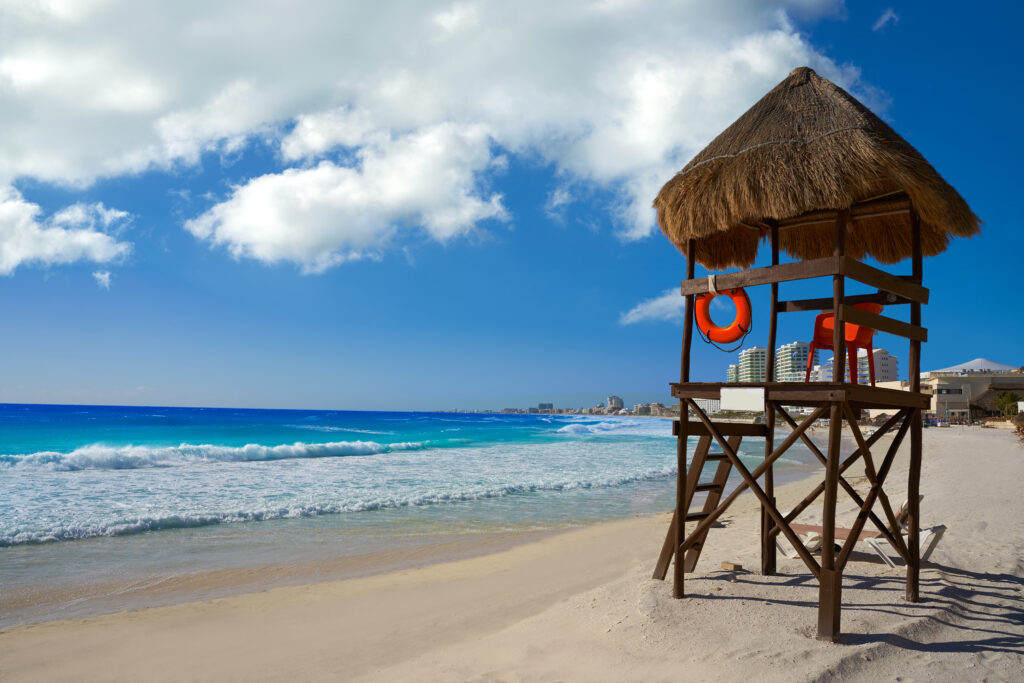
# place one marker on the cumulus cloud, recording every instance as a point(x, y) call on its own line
point(102, 278)
point(618, 95)
point(72, 234)
point(887, 17)
point(668, 307)
point(328, 214)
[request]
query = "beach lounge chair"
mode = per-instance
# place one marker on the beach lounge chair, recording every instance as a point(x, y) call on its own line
point(812, 537)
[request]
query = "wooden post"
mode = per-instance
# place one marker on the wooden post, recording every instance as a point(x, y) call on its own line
point(914, 483)
point(838, 285)
point(830, 584)
point(679, 568)
point(768, 555)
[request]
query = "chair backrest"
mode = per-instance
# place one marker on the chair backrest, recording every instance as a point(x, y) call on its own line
point(856, 335)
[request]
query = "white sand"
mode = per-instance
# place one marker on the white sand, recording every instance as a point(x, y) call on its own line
point(581, 606)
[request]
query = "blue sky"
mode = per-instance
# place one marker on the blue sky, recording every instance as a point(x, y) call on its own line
point(435, 205)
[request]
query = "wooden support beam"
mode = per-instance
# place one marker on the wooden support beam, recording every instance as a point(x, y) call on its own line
point(768, 556)
point(883, 324)
point(838, 294)
point(728, 428)
point(914, 475)
point(683, 432)
point(784, 272)
point(799, 305)
point(830, 582)
point(874, 277)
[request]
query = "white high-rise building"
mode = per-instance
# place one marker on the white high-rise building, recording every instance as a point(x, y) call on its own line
point(752, 364)
point(886, 366)
point(732, 373)
point(614, 403)
point(791, 361)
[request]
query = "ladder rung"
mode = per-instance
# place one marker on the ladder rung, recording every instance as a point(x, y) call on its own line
point(697, 516)
point(708, 487)
point(715, 456)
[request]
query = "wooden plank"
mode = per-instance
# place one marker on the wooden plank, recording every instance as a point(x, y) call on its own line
point(874, 277)
point(729, 429)
point(883, 324)
point(784, 272)
point(799, 305)
point(882, 397)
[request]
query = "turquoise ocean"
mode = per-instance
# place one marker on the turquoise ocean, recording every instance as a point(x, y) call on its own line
point(128, 496)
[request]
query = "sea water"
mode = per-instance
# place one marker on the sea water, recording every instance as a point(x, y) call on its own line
point(94, 494)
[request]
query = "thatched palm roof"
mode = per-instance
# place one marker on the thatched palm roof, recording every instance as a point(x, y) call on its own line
point(806, 149)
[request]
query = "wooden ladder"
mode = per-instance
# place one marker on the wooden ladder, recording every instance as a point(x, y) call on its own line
point(714, 489)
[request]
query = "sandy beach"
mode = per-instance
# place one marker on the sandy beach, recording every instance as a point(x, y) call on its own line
point(581, 605)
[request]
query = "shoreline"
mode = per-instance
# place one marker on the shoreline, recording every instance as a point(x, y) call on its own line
point(581, 605)
point(166, 580)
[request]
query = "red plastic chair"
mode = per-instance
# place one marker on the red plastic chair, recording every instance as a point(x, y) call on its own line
point(857, 337)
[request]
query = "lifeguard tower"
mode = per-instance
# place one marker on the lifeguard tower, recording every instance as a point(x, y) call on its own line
point(813, 172)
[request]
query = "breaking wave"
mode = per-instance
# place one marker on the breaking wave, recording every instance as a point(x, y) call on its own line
point(102, 457)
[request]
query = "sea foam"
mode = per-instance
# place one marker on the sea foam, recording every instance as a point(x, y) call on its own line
point(103, 457)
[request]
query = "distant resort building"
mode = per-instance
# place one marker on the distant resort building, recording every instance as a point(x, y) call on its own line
point(545, 406)
point(886, 366)
point(752, 364)
point(708, 405)
point(968, 391)
point(732, 373)
point(791, 361)
point(614, 403)
point(822, 373)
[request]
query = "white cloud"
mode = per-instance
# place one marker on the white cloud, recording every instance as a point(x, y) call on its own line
point(887, 17)
point(72, 234)
point(618, 95)
point(668, 307)
point(328, 214)
point(102, 278)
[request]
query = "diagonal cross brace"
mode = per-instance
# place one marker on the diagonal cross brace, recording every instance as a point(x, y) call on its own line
point(750, 481)
point(862, 451)
point(895, 538)
point(845, 465)
point(876, 490)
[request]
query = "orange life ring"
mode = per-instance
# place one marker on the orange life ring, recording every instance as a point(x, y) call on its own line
point(723, 335)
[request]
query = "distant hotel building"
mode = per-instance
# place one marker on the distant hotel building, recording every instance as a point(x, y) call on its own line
point(886, 367)
point(752, 364)
point(732, 373)
point(708, 405)
point(545, 406)
point(614, 403)
point(791, 361)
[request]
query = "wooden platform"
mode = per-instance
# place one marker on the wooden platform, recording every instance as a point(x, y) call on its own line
point(811, 394)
